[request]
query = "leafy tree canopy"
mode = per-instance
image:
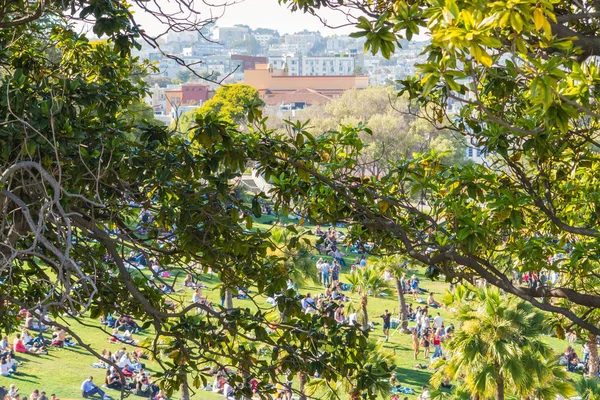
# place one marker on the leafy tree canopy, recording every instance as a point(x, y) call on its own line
point(230, 103)
point(79, 166)
point(524, 75)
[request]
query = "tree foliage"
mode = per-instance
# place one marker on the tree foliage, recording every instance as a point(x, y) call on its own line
point(229, 103)
point(498, 351)
point(524, 76)
point(78, 165)
point(394, 133)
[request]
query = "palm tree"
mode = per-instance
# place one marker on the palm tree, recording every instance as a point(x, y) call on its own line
point(588, 389)
point(498, 349)
point(593, 362)
point(396, 265)
point(297, 262)
point(367, 282)
point(376, 359)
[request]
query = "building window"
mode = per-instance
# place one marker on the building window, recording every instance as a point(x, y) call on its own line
point(470, 152)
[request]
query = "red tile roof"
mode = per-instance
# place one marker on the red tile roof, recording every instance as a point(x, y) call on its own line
point(308, 96)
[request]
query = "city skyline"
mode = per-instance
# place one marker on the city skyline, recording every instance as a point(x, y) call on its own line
point(252, 13)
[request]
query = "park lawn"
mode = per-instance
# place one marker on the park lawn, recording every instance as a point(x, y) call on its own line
point(63, 370)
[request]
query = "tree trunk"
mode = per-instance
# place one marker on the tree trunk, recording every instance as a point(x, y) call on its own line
point(402, 305)
point(184, 389)
point(593, 361)
point(228, 299)
point(500, 387)
point(363, 306)
point(301, 385)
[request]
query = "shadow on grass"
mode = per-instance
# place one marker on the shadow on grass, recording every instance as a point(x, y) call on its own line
point(78, 350)
point(21, 377)
point(413, 377)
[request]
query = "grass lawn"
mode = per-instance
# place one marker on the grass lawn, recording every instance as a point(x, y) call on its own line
point(63, 370)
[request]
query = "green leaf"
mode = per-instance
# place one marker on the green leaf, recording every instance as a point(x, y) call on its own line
point(516, 21)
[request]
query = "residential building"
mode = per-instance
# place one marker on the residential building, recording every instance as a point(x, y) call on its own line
point(264, 39)
point(278, 87)
point(476, 155)
point(189, 94)
point(231, 34)
point(328, 65)
point(301, 42)
point(243, 63)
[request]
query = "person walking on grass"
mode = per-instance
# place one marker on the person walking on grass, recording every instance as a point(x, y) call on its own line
point(415, 340)
point(386, 324)
point(325, 273)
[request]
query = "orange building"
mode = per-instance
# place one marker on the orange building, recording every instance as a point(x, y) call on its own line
point(277, 87)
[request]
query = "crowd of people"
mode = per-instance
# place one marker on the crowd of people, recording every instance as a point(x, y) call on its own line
point(428, 329)
point(12, 393)
point(573, 362)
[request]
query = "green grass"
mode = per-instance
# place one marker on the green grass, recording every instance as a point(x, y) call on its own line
point(63, 370)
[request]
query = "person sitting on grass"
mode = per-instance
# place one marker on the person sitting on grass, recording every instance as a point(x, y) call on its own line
point(308, 304)
point(126, 363)
point(19, 347)
point(43, 396)
point(35, 395)
point(425, 395)
point(13, 393)
point(339, 257)
point(31, 325)
point(27, 338)
point(431, 302)
point(4, 347)
point(125, 322)
point(12, 364)
point(113, 380)
point(140, 380)
point(572, 359)
point(144, 384)
point(89, 388)
point(4, 370)
point(58, 337)
point(189, 281)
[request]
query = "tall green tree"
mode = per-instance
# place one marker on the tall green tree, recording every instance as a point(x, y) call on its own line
point(498, 350)
point(393, 132)
point(230, 103)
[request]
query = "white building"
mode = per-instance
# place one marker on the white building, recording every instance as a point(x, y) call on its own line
point(264, 39)
point(299, 43)
point(231, 34)
point(327, 65)
point(476, 155)
point(299, 65)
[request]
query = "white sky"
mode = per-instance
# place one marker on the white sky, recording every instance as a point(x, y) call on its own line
point(256, 13)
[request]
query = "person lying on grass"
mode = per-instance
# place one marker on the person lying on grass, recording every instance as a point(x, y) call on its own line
point(117, 337)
